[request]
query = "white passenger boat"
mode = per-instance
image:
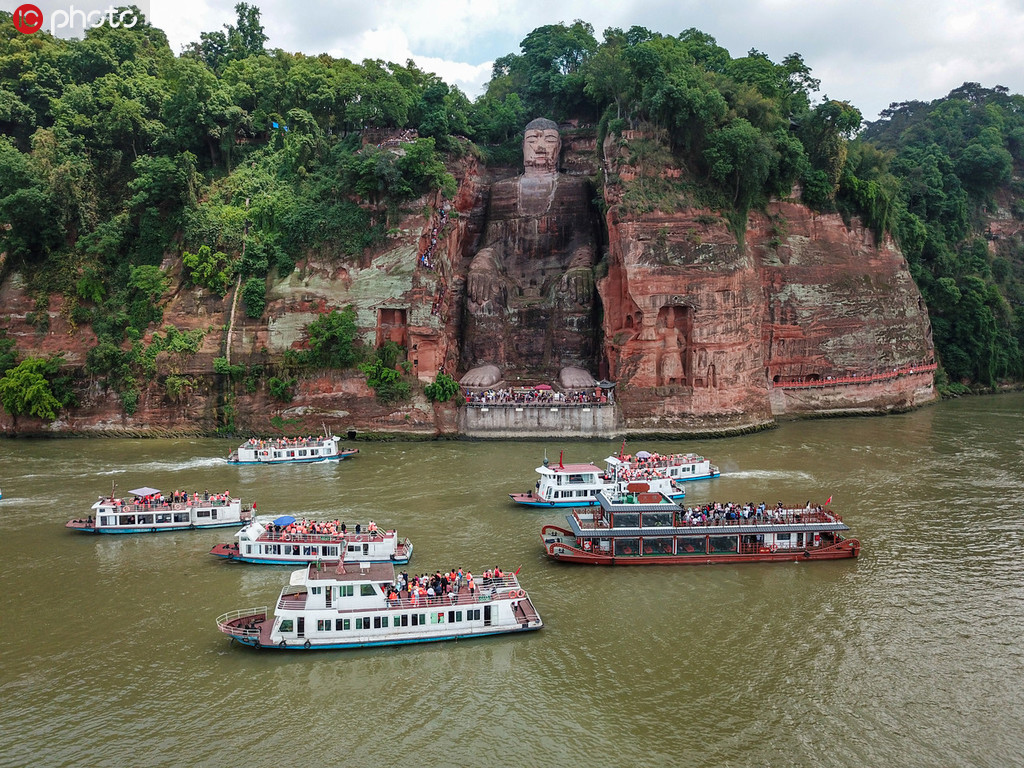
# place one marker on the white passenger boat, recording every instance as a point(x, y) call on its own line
point(291, 450)
point(678, 467)
point(287, 541)
point(577, 485)
point(363, 605)
point(147, 510)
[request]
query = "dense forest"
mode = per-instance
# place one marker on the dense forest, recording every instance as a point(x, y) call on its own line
point(115, 152)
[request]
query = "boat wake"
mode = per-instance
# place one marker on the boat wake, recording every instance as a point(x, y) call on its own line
point(165, 466)
point(766, 474)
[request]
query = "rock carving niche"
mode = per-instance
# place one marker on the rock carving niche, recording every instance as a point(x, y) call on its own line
point(530, 302)
point(674, 326)
point(392, 326)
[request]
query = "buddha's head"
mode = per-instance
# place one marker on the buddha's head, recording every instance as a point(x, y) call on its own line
point(541, 147)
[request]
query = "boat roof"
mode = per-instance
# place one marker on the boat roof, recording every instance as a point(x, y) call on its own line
point(609, 505)
point(570, 468)
point(351, 572)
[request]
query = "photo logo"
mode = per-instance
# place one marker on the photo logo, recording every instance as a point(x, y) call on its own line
point(69, 20)
point(27, 19)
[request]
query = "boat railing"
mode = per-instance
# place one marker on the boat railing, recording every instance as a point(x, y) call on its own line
point(296, 601)
point(590, 519)
point(119, 505)
point(226, 622)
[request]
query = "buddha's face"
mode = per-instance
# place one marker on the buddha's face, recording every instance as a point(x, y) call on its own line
point(541, 149)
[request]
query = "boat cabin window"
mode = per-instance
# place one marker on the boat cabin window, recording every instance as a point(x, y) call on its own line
point(655, 519)
point(345, 590)
point(782, 537)
point(627, 546)
point(202, 513)
point(343, 625)
point(316, 590)
point(691, 545)
point(473, 614)
point(367, 590)
point(658, 546)
point(454, 616)
point(181, 517)
point(287, 625)
point(574, 479)
point(380, 622)
point(302, 453)
point(145, 519)
point(127, 520)
point(625, 520)
point(323, 625)
point(164, 517)
point(330, 551)
point(724, 543)
point(108, 520)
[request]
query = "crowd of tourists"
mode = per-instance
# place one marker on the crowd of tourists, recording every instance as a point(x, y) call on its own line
point(514, 396)
point(719, 513)
point(432, 589)
point(319, 528)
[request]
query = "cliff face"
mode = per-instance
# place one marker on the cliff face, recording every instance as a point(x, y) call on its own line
point(703, 333)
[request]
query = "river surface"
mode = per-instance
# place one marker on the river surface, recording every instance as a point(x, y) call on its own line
point(912, 655)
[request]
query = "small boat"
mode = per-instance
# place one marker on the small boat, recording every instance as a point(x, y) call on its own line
point(287, 541)
point(577, 485)
point(649, 529)
point(149, 511)
point(288, 450)
point(368, 605)
point(678, 467)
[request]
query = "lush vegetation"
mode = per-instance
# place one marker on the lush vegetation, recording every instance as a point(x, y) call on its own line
point(115, 153)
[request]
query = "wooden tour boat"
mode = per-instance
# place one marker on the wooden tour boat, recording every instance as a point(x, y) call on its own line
point(149, 511)
point(645, 528)
point(363, 605)
point(577, 485)
point(286, 541)
point(298, 450)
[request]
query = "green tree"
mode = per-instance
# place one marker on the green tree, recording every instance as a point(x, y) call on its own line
point(28, 390)
point(442, 389)
point(333, 339)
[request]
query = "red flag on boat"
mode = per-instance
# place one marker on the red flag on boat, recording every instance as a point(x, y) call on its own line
point(828, 501)
point(622, 448)
point(518, 570)
point(560, 465)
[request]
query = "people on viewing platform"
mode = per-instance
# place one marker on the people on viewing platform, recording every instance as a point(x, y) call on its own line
point(513, 396)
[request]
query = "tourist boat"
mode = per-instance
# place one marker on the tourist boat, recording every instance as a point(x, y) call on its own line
point(649, 529)
point(286, 541)
point(149, 511)
point(284, 450)
point(329, 607)
point(678, 467)
point(577, 485)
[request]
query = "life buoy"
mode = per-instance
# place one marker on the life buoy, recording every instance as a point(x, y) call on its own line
point(773, 548)
point(511, 594)
point(521, 593)
point(307, 645)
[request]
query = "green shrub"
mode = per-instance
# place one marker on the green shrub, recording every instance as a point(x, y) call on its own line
point(443, 389)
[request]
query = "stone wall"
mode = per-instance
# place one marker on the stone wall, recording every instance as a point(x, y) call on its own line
point(511, 421)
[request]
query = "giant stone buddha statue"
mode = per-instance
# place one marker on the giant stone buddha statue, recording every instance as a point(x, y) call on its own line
point(530, 288)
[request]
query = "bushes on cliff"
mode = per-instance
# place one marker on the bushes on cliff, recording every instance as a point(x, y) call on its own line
point(35, 387)
point(442, 389)
point(333, 341)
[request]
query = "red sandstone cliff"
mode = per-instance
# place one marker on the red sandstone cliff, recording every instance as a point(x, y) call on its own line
point(702, 331)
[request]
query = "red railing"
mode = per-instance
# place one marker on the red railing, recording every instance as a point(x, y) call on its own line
point(834, 381)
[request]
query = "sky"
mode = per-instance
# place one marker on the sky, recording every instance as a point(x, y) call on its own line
point(867, 52)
